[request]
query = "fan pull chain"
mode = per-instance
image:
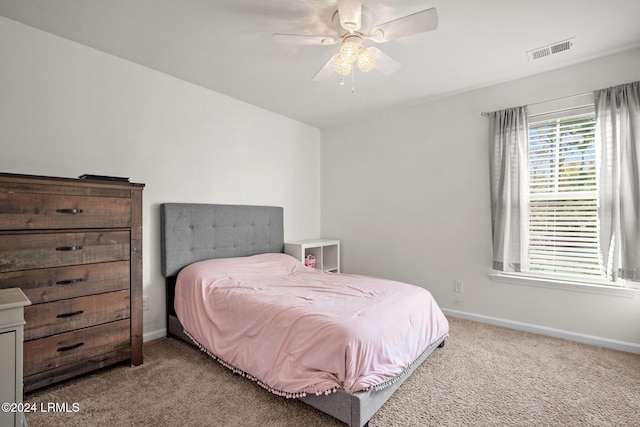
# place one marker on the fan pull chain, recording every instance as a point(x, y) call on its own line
point(353, 82)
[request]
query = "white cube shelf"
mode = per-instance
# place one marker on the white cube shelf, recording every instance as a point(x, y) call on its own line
point(326, 252)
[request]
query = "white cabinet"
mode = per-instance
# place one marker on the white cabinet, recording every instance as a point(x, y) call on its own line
point(325, 251)
point(12, 302)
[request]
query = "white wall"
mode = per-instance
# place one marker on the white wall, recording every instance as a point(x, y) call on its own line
point(67, 110)
point(407, 192)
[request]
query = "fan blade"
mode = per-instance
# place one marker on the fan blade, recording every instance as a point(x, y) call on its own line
point(326, 71)
point(300, 39)
point(350, 12)
point(419, 22)
point(384, 63)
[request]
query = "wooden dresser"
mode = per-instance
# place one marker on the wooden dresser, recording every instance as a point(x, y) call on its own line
point(74, 247)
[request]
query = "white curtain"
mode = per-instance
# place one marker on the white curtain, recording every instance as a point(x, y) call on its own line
point(509, 148)
point(618, 129)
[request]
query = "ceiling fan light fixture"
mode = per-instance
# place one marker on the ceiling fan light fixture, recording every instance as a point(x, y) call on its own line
point(350, 50)
point(342, 66)
point(366, 60)
point(354, 25)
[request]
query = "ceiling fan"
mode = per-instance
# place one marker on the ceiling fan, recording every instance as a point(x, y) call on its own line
point(353, 25)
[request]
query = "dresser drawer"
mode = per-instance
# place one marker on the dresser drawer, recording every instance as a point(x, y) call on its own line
point(20, 211)
point(52, 284)
point(24, 251)
point(76, 313)
point(58, 350)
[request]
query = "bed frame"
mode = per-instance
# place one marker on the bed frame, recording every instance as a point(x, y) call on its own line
point(195, 232)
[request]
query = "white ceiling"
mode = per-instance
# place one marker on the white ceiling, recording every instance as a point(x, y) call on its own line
point(226, 45)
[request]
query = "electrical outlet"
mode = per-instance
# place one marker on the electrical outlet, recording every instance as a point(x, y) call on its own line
point(458, 286)
point(145, 303)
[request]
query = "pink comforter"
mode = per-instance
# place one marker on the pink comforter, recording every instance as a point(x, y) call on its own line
point(297, 330)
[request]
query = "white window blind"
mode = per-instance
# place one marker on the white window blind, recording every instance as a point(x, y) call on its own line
point(562, 195)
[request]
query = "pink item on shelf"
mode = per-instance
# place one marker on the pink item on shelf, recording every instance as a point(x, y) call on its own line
point(310, 261)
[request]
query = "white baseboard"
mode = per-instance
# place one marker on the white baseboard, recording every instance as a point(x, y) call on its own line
point(543, 330)
point(153, 335)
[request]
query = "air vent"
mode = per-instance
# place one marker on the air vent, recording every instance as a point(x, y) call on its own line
point(551, 49)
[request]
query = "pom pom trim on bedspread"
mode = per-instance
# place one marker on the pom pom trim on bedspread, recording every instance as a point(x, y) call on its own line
point(290, 395)
point(408, 369)
point(267, 387)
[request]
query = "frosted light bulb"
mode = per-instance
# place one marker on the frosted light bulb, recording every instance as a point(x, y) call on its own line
point(366, 61)
point(342, 66)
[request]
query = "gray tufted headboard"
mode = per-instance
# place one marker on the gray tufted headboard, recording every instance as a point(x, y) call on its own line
point(195, 232)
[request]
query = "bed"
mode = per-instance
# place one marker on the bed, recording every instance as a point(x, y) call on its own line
point(235, 252)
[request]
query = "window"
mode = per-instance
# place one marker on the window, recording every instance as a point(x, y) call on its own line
point(562, 211)
point(565, 200)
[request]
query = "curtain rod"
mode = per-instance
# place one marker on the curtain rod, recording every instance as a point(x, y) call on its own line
point(484, 114)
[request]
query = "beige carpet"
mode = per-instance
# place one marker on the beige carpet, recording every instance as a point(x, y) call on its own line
point(484, 376)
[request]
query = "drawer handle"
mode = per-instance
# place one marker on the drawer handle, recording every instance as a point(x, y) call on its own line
point(73, 211)
point(69, 248)
point(75, 313)
point(70, 281)
point(71, 347)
